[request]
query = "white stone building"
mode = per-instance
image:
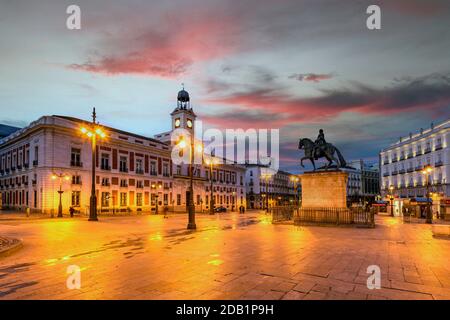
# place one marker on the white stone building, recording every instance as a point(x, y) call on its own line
point(402, 164)
point(133, 173)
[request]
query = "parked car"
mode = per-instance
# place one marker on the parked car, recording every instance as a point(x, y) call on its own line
point(220, 209)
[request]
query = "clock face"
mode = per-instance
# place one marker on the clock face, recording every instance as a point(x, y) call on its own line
point(177, 123)
point(189, 124)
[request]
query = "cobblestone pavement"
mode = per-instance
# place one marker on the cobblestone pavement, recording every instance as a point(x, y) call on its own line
point(231, 256)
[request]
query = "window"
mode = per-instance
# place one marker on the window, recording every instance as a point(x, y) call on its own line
point(76, 198)
point(166, 199)
point(179, 170)
point(139, 166)
point(153, 199)
point(76, 180)
point(165, 170)
point(105, 162)
point(123, 183)
point(36, 155)
point(75, 158)
point(178, 199)
point(139, 199)
point(153, 168)
point(139, 184)
point(105, 182)
point(105, 199)
point(198, 199)
point(123, 199)
point(123, 164)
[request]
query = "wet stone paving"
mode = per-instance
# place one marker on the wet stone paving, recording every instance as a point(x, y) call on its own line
point(230, 256)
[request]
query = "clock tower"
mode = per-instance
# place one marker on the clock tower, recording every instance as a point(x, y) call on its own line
point(183, 116)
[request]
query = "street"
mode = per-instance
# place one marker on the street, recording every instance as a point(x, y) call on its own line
point(230, 256)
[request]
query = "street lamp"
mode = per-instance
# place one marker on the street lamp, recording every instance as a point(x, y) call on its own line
point(426, 172)
point(210, 162)
point(266, 177)
point(295, 180)
point(191, 207)
point(93, 131)
point(156, 196)
point(61, 177)
point(391, 198)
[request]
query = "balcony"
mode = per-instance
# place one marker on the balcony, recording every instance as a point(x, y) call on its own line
point(105, 167)
point(402, 157)
point(19, 167)
point(124, 185)
point(394, 160)
point(410, 170)
point(402, 171)
point(76, 164)
point(438, 164)
point(13, 169)
point(140, 186)
point(410, 155)
point(35, 163)
point(26, 165)
point(106, 184)
point(166, 175)
point(438, 147)
point(33, 182)
point(139, 171)
point(394, 173)
point(2, 172)
point(76, 183)
point(125, 170)
point(153, 173)
point(419, 168)
point(428, 150)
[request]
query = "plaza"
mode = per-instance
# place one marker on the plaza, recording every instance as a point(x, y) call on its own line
point(229, 256)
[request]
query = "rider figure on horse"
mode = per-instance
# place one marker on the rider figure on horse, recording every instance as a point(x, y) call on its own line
point(320, 141)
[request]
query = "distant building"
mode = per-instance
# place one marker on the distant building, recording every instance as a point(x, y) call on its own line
point(363, 181)
point(262, 182)
point(6, 130)
point(402, 164)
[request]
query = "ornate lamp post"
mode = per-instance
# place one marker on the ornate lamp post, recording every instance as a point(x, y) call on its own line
point(191, 207)
point(156, 196)
point(61, 177)
point(426, 172)
point(210, 162)
point(295, 180)
point(266, 177)
point(93, 131)
point(391, 198)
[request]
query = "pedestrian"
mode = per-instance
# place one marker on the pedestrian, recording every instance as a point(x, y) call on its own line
point(72, 211)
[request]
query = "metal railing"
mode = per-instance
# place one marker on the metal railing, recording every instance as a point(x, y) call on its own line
point(282, 213)
point(335, 216)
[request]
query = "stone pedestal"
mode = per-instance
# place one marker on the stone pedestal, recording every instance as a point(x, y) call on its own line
point(324, 189)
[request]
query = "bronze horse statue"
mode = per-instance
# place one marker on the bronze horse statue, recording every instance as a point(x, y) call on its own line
point(326, 150)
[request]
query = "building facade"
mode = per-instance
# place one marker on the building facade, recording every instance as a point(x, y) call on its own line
point(133, 173)
point(267, 187)
point(363, 182)
point(402, 166)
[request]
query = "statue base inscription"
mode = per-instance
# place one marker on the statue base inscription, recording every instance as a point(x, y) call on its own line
point(324, 189)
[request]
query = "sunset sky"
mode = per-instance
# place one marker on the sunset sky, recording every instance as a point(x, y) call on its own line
point(294, 65)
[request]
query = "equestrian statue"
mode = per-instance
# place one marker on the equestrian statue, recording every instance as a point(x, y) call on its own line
point(321, 149)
